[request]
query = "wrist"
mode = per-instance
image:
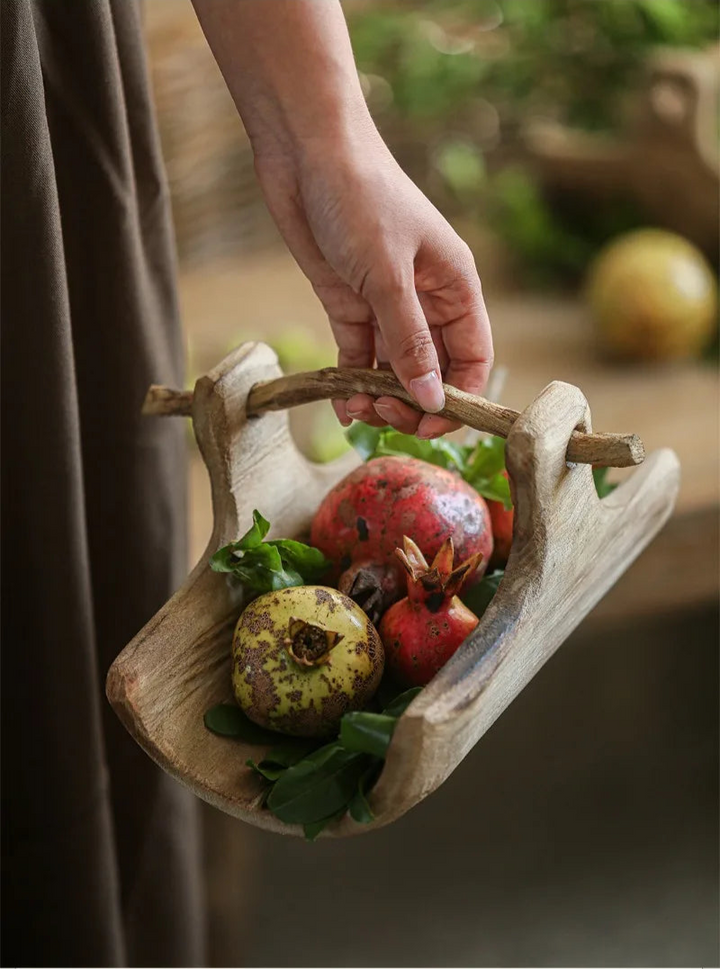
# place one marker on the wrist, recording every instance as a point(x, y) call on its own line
point(323, 129)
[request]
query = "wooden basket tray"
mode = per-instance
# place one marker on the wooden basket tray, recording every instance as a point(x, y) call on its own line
point(568, 549)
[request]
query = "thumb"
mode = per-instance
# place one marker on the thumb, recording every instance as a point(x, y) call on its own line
point(410, 347)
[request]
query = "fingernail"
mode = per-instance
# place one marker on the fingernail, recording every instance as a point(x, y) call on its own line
point(386, 411)
point(356, 415)
point(428, 435)
point(428, 392)
point(346, 421)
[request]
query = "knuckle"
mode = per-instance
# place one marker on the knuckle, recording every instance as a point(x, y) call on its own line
point(417, 346)
point(391, 283)
point(386, 280)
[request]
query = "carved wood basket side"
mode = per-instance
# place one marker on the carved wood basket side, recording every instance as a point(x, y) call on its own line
point(568, 549)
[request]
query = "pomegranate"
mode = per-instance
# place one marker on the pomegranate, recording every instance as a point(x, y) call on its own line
point(502, 528)
point(303, 656)
point(363, 519)
point(421, 633)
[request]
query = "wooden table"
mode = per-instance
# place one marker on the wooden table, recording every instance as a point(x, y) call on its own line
point(675, 406)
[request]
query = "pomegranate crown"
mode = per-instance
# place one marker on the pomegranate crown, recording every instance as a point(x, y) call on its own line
point(440, 577)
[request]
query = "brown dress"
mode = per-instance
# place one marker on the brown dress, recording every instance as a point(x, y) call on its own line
point(99, 847)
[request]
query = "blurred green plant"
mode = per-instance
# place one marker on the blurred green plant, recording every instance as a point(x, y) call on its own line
point(554, 238)
point(460, 77)
point(569, 59)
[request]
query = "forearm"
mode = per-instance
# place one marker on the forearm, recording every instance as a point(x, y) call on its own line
point(289, 67)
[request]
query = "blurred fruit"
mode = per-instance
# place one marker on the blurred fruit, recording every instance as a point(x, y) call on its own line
point(300, 349)
point(653, 296)
point(327, 438)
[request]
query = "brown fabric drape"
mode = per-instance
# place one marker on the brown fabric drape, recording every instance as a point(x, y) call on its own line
point(100, 848)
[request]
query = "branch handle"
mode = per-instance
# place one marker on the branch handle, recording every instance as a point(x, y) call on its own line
point(607, 450)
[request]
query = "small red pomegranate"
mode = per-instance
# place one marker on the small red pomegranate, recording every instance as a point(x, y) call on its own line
point(502, 529)
point(421, 633)
point(363, 519)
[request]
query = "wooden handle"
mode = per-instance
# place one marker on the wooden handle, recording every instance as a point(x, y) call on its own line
point(606, 450)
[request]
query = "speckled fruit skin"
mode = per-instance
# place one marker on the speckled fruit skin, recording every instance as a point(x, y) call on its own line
point(278, 693)
point(364, 517)
point(502, 529)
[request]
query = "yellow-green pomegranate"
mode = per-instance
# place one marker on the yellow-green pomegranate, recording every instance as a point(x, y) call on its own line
point(302, 657)
point(653, 296)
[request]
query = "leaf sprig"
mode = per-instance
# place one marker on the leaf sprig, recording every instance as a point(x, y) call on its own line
point(314, 785)
point(602, 485)
point(265, 566)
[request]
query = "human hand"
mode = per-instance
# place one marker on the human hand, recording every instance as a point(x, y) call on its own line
point(399, 286)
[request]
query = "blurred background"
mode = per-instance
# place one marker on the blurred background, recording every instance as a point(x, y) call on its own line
point(553, 134)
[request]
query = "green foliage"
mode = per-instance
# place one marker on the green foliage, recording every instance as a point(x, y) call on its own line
point(228, 720)
point(310, 784)
point(462, 166)
point(317, 786)
point(569, 59)
point(602, 485)
point(367, 733)
point(262, 566)
point(479, 596)
point(576, 62)
point(554, 238)
point(485, 468)
point(359, 808)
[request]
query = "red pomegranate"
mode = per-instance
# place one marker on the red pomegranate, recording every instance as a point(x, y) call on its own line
point(421, 632)
point(502, 529)
point(363, 519)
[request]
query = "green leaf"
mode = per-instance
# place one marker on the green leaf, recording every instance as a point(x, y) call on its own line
point(313, 829)
point(270, 773)
point(317, 786)
point(228, 720)
point(267, 566)
point(487, 459)
point(303, 559)
point(479, 596)
point(496, 488)
point(374, 442)
point(367, 733)
point(359, 808)
point(441, 452)
point(364, 438)
point(386, 693)
point(224, 560)
point(254, 535)
point(602, 486)
point(289, 752)
point(281, 756)
point(485, 470)
point(400, 704)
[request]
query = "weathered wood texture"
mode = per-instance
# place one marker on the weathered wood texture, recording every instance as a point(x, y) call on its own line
point(609, 450)
point(568, 549)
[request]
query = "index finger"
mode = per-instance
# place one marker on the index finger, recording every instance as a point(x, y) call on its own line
point(410, 347)
point(469, 345)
